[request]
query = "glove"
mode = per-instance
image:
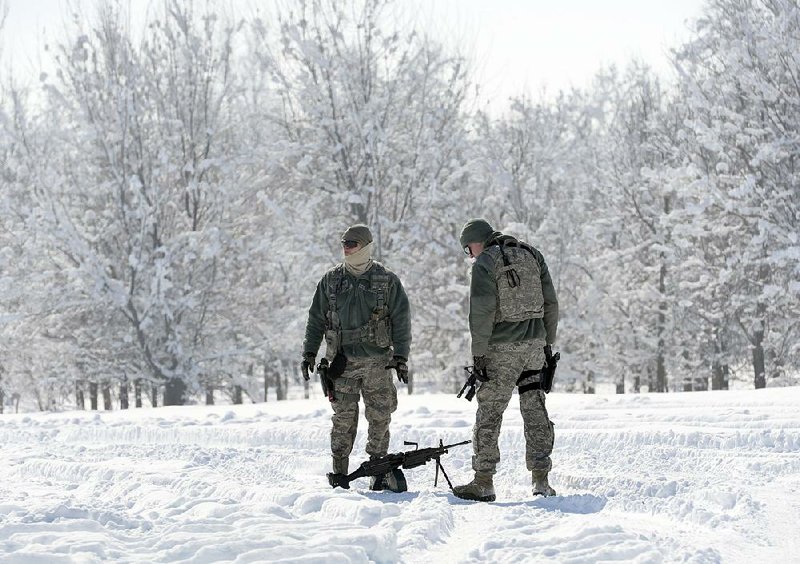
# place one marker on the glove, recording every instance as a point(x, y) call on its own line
point(400, 366)
point(308, 364)
point(479, 363)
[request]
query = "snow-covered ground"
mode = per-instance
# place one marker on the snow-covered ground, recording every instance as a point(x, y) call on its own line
point(691, 477)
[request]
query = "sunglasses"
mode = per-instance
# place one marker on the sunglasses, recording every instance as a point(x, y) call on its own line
point(349, 244)
point(467, 251)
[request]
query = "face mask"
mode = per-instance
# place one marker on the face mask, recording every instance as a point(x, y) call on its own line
point(360, 261)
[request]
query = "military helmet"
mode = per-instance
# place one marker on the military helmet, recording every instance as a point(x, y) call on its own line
point(475, 231)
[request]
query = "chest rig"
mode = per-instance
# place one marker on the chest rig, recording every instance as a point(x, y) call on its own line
point(376, 331)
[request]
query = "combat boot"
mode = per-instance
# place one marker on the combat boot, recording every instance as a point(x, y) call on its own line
point(377, 483)
point(540, 484)
point(338, 478)
point(394, 481)
point(481, 488)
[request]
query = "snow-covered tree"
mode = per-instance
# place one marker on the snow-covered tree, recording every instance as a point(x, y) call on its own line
point(536, 182)
point(373, 129)
point(740, 76)
point(139, 184)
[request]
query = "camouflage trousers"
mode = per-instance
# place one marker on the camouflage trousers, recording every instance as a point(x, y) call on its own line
point(367, 378)
point(505, 363)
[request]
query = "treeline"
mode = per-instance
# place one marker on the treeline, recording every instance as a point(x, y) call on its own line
point(171, 196)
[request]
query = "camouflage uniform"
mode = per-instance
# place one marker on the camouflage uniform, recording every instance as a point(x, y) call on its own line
point(505, 363)
point(367, 377)
point(510, 330)
point(355, 300)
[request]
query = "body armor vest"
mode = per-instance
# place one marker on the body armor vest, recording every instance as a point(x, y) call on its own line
point(518, 280)
point(376, 331)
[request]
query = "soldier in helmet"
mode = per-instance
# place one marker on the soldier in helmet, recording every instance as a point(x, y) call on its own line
point(513, 316)
point(361, 310)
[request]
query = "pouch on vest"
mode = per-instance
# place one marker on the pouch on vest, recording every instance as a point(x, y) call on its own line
point(381, 331)
point(333, 343)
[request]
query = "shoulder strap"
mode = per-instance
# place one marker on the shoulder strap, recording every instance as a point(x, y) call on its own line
point(512, 278)
point(334, 286)
point(503, 252)
point(521, 245)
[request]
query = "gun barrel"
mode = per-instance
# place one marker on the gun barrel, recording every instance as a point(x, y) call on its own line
point(457, 444)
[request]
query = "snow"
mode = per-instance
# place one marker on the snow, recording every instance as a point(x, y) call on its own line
point(690, 477)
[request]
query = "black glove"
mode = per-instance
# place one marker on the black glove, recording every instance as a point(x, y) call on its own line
point(308, 364)
point(479, 363)
point(400, 366)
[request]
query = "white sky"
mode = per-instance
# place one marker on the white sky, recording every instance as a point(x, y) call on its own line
point(529, 45)
point(517, 45)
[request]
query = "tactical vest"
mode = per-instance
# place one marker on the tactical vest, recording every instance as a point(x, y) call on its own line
point(377, 331)
point(518, 279)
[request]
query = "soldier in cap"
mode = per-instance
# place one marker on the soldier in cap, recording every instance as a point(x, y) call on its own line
point(361, 310)
point(513, 316)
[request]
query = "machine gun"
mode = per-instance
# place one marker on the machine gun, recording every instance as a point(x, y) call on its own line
point(408, 459)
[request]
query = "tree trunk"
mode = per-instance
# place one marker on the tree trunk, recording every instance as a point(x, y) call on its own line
point(2, 394)
point(621, 384)
point(759, 368)
point(80, 402)
point(661, 373)
point(93, 395)
point(661, 368)
point(266, 382)
point(154, 395)
point(107, 396)
point(137, 392)
point(306, 388)
point(637, 384)
point(719, 371)
point(123, 393)
point(237, 389)
point(174, 392)
point(758, 362)
point(588, 388)
point(410, 382)
point(278, 387)
point(209, 395)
